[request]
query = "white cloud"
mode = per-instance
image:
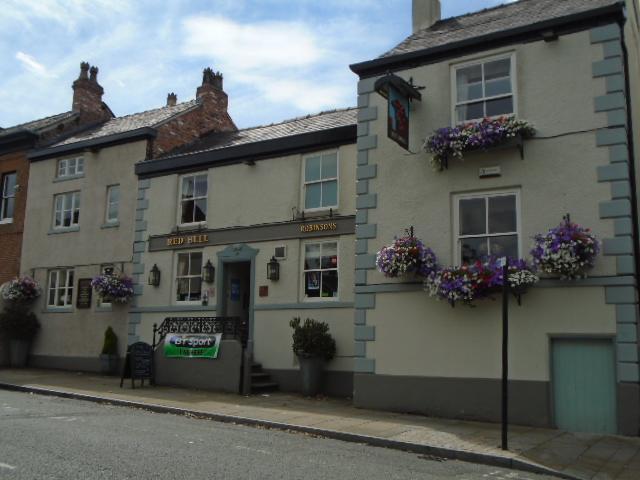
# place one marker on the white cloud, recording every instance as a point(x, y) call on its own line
point(33, 65)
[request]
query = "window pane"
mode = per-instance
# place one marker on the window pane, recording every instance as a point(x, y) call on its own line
point(312, 196)
point(330, 284)
point(469, 83)
point(113, 211)
point(473, 249)
point(7, 211)
point(312, 169)
point(187, 187)
point(187, 211)
point(470, 111)
point(500, 106)
point(201, 186)
point(330, 166)
point(114, 193)
point(66, 221)
point(195, 267)
point(330, 193)
point(76, 200)
point(200, 214)
point(183, 289)
point(80, 165)
point(183, 264)
point(472, 216)
point(10, 185)
point(502, 214)
point(498, 87)
point(497, 69)
point(62, 168)
point(70, 279)
point(195, 289)
point(52, 297)
point(311, 256)
point(506, 246)
point(312, 284)
point(329, 255)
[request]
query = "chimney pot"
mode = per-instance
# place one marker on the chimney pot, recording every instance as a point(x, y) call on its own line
point(87, 96)
point(172, 99)
point(425, 13)
point(93, 74)
point(84, 69)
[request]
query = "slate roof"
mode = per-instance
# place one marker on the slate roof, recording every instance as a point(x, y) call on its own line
point(287, 128)
point(37, 126)
point(149, 118)
point(497, 19)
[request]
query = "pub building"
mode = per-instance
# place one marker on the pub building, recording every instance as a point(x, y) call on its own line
point(258, 225)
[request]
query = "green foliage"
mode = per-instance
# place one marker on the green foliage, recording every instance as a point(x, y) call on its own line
point(18, 323)
point(312, 339)
point(110, 346)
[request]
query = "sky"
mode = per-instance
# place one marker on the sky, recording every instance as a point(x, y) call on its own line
point(280, 58)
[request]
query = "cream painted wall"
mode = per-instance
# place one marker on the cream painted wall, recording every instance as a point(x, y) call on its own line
point(417, 335)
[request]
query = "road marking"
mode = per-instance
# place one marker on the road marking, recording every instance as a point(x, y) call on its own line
point(66, 419)
point(7, 466)
point(264, 452)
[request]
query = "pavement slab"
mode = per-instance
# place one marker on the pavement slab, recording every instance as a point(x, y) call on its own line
point(568, 455)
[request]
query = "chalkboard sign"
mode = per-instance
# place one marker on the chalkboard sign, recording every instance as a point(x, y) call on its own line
point(138, 364)
point(85, 290)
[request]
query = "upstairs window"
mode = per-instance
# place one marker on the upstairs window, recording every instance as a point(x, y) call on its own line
point(66, 210)
point(321, 181)
point(8, 199)
point(484, 89)
point(193, 199)
point(113, 203)
point(70, 167)
point(487, 225)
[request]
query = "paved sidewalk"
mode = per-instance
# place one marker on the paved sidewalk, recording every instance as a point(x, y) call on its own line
point(582, 456)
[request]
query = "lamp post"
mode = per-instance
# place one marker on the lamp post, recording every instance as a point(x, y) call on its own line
point(505, 351)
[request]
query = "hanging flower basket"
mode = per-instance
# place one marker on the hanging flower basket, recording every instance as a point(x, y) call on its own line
point(482, 279)
point(20, 290)
point(452, 142)
point(404, 256)
point(566, 250)
point(113, 288)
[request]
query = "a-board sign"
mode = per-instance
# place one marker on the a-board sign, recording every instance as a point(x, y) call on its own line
point(138, 364)
point(85, 290)
point(192, 345)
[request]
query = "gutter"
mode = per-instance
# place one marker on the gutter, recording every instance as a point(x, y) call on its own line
point(13, 141)
point(420, 57)
point(93, 143)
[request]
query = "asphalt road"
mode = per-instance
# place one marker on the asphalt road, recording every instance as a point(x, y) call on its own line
point(52, 438)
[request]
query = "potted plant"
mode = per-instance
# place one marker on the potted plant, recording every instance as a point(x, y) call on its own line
point(20, 326)
point(313, 345)
point(109, 355)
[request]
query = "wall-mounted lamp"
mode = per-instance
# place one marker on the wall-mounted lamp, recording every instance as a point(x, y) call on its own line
point(154, 276)
point(273, 269)
point(208, 272)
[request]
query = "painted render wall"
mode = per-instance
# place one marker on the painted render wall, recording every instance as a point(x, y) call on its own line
point(72, 333)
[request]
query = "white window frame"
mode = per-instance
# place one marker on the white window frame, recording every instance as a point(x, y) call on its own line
point(481, 61)
point(181, 201)
point(457, 250)
point(68, 289)
point(64, 164)
point(304, 271)
point(75, 202)
point(4, 196)
point(176, 277)
point(109, 203)
point(305, 183)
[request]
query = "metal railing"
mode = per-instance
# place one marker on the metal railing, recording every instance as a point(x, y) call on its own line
point(230, 327)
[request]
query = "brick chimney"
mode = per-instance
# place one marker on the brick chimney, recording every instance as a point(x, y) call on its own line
point(87, 96)
point(425, 13)
point(210, 93)
point(172, 99)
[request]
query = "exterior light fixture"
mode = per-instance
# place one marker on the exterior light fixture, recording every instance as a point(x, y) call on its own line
point(154, 276)
point(208, 272)
point(273, 269)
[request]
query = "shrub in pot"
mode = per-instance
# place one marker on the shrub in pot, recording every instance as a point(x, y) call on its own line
point(109, 355)
point(313, 345)
point(20, 326)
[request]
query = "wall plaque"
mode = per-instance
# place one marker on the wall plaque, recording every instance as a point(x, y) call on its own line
point(85, 290)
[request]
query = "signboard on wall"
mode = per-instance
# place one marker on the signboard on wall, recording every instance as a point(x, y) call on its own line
point(398, 117)
point(192, 345)
point(83, 300)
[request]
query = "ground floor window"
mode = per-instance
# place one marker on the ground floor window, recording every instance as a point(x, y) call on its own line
point(189, 277)
point(60, 290)
point(321, 270)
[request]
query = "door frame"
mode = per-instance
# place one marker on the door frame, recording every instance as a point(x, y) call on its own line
point(580, 336)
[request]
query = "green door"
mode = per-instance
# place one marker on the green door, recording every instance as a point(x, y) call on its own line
point(584, 385)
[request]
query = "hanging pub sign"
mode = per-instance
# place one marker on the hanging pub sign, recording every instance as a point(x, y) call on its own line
point(192, 345)
point(398, 93)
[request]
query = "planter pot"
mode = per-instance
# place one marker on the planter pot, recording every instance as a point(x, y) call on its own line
point(19, 352)
point(311, 371)
point(4, 351)
point(108, 364)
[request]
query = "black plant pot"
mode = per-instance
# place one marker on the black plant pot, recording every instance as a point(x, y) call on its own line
point(108, 364)
point(19, 352)
point(311, 371)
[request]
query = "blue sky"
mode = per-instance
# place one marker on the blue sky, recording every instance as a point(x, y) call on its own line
point(280, 58)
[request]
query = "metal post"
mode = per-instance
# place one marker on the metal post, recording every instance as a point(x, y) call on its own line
point(505, 352)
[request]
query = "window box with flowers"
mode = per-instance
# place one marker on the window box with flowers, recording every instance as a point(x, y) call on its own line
point(112, 288)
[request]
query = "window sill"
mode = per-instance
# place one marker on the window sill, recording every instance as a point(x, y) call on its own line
point(6, 221)
point(320, 299)
point(56, 231)
point(67, 178)
point(104, 308)
point(58, 309)
point(320, 212)
point(191, 226)
point(110, 225)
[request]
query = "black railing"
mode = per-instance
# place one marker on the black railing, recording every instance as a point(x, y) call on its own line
point(229, 327)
